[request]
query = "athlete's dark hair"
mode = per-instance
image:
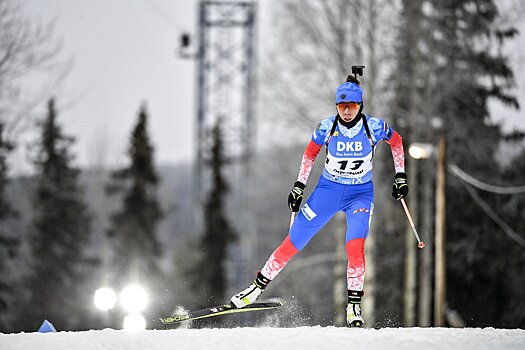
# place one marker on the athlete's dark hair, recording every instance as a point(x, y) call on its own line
point(352, 79)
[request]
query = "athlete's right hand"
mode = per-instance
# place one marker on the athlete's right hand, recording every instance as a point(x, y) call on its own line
point(296, 196)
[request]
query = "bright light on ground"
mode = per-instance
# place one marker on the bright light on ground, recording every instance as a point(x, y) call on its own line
point(134, 322)
point(105, 299)
point(134, 299)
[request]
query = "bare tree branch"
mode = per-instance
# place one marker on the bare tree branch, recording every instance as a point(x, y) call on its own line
point(316, 44)
point(26, 47)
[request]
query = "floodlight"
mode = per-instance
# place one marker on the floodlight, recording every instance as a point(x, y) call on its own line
point(421, 150)
point(134, 299)
point(134, 322)
point(105, 298)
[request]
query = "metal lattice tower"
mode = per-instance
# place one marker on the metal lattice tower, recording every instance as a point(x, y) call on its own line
point(225, 79)
point(225, 58)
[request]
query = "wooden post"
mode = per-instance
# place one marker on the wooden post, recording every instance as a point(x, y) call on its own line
point(426, 268)
point(409, 287)
point(440, 265)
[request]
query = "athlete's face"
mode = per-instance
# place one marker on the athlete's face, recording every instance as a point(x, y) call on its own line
point(348, 110)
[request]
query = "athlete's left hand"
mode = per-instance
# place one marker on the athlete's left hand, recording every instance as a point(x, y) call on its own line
point(400, 187)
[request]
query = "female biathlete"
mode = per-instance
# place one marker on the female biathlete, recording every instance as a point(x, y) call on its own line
point(345, 185)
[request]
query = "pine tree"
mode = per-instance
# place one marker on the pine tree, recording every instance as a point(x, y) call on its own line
point(61, 268)
point(133, 228)
point(475, 72)
point(8, 244)
point(209, 275)
point(451, 68)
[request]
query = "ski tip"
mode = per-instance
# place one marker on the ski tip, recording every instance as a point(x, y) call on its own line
point(173, 319)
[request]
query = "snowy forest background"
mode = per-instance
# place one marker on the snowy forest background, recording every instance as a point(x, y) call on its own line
point(432, 68)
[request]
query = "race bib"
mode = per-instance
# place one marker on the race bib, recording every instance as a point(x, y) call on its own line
point(349, 168)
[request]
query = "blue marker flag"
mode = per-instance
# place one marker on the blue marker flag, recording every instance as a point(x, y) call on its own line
point(47, 327)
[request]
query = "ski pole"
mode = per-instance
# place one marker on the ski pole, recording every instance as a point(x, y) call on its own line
point(420, 243)
point(292, 218)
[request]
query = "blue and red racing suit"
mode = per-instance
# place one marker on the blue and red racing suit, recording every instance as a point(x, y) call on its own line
point(345, 185)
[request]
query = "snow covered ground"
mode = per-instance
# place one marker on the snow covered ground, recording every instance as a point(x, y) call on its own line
point(272, 338)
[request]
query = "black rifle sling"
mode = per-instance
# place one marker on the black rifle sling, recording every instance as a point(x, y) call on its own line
point(368, 134)
point(334, 126)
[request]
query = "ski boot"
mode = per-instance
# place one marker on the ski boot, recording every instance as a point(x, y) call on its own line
point(250, 294)
point(353, 310)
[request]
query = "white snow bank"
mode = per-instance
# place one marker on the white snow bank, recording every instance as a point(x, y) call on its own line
point(272, 338)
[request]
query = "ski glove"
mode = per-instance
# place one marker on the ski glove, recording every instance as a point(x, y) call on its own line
point(400, 187)
point(296, 196)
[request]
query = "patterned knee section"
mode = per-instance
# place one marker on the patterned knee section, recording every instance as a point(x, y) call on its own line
point(355, 273)
point(279, 258)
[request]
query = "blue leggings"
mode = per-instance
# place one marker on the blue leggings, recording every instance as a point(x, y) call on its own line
point(328, 198)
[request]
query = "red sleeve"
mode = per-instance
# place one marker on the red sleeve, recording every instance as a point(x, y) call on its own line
point(396, 145)
point(309, 155)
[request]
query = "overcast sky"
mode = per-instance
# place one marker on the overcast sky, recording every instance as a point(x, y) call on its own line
point(125, 53)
